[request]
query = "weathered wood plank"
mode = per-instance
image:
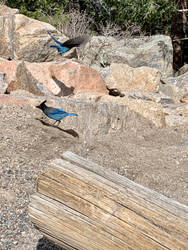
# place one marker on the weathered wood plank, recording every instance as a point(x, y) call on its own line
point(75, 226)
point(130, 186)
point(80, 205)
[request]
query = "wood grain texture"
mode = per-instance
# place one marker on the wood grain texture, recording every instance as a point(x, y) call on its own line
point(81, 205)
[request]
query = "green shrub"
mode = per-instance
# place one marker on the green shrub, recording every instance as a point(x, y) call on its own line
point(153, 16)
point(36, 9)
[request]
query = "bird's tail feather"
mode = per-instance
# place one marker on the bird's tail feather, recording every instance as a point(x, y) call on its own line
point(73, 114)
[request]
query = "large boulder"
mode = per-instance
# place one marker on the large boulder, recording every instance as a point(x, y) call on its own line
point(148, 109)
point(125, 78)
point(154, 52)
point(24, 81)
point(160, 111)
point(32, 40)
point(78, 76)
point(24, 38)
point(55, 78)
point(175, 87)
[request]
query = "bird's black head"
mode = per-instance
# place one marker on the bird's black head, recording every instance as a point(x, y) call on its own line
point(42, 105)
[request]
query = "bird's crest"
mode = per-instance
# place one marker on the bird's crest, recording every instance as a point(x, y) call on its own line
point(43, 102)
point(40, 106)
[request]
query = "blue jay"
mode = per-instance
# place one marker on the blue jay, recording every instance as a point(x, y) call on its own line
point(69, 44)
point(54, 113)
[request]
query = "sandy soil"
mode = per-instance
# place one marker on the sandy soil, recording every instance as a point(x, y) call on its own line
point(156, 158)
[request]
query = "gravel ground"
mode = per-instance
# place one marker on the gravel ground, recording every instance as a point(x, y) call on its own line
point(157, 158)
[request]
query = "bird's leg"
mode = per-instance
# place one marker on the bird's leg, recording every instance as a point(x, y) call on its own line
point(58, 123)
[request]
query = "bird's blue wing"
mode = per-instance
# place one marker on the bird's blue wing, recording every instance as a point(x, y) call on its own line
point(56, 114)
point(57, 111)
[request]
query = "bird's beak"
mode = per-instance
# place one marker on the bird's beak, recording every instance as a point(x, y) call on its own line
point(38, 106)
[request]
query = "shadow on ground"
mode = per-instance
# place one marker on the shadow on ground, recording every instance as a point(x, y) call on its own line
point(45, 244)
point(68, 131)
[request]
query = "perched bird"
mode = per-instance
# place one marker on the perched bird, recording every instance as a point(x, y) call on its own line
point(54, 113)
point(69, 44)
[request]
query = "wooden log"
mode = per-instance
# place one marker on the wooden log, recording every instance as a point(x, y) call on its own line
point(81, 205)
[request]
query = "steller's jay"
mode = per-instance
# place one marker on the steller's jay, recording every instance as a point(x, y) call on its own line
point(54, 113)
point(69, 44)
